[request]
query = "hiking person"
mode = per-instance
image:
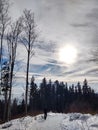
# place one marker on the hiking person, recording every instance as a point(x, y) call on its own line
point(45, 113)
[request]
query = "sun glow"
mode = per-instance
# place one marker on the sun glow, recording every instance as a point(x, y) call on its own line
point(68, 54)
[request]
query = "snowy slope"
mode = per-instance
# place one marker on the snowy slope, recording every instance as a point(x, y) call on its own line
point(54, 121)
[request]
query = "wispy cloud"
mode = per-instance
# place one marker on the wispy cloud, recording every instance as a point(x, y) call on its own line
point(62, 22)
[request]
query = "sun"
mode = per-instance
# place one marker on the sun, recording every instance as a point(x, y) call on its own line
point(68, 54)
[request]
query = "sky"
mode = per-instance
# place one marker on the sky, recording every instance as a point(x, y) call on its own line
point(61, 23)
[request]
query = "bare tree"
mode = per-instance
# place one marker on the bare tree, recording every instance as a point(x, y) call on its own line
point(12, 40)
point(4, 21)
point(28, 39)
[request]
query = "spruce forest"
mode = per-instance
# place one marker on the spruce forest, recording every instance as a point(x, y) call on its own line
point(56, 97)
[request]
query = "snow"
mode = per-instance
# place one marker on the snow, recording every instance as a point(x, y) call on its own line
point(54, 121)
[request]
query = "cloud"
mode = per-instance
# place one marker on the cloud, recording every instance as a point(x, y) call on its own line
point(61, 22)
point(93, 15)
point(81, 25)
point(49, 46)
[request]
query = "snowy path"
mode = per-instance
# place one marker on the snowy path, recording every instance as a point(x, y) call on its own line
point(55, 121)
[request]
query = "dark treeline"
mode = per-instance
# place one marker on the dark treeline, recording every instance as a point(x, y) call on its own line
point(57, 97)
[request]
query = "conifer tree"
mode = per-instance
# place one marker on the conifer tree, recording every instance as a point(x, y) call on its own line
point(33, 95)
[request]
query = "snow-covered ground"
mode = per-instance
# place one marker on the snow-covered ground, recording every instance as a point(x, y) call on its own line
point(54, 121)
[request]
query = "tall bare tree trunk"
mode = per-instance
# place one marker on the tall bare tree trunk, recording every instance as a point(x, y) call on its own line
point(27, 83)
point(4, 22)
point(5, 106)
point(1, 55)
point(28, 39)
point(10, 91)
point(2, 35)
point(12, 39)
